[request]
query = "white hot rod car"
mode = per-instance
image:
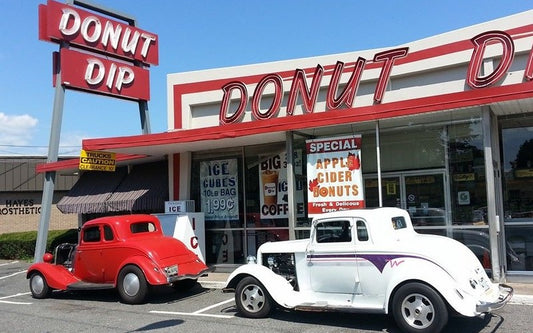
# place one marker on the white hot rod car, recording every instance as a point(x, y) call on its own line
point(368, 260)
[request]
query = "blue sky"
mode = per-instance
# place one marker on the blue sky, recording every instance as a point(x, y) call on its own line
point(195, 35)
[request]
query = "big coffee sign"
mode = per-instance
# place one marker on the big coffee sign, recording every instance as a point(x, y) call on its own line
point(95, 71)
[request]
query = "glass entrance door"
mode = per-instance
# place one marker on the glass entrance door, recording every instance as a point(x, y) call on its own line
point(422, 194)
point(517, 148)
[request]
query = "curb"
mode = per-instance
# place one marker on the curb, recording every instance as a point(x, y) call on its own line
point(522, 300)
point(212, 284)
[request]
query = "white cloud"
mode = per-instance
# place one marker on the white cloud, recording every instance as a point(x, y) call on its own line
point(70, 143)
point(16, 130)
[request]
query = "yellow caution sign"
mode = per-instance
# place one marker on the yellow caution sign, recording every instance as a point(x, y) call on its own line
point(97, 160)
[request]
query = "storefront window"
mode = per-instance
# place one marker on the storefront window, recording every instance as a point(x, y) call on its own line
point(243, 193)
point(518, 173)
point(517, 148)
point(224, 246)
point(467, 174)
point(217, 190)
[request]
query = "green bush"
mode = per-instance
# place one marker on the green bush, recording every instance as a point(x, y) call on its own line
point(21, 245)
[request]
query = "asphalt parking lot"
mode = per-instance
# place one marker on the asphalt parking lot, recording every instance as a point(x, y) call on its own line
point(203, 309)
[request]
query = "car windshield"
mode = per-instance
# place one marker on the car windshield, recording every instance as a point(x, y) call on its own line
point(142, 227)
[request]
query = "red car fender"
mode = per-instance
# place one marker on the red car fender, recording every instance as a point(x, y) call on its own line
point(56, 276)
point(152, 272)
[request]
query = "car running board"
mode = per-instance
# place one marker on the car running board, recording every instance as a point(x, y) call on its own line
point(89, 286)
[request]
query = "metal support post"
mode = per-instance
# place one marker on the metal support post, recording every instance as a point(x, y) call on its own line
point(49, 179)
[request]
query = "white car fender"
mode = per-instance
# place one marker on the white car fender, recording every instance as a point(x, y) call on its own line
point(277, 286)
point(433, 275)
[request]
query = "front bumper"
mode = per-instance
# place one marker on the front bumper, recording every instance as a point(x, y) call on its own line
point(505, 294)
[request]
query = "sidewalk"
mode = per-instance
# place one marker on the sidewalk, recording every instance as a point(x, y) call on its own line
point(523, 292)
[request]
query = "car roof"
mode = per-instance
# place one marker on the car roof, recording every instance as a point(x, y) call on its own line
point(364, 213)
point(379, 221)
point(122, 219)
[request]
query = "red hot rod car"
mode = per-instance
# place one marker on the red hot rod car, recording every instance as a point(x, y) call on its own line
point(126, 252)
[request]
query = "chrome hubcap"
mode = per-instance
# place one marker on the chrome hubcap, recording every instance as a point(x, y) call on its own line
point(37, 284)
point(418, 311)
point(252, 298)
point(131, 284)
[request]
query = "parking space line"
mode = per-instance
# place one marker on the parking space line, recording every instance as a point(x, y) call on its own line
point(199, 312)
point(10, 275)
point(9, 263)
point(16, 295)
point(213, 306)
point(192, 314)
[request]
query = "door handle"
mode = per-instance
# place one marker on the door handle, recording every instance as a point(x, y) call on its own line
point(308, 256)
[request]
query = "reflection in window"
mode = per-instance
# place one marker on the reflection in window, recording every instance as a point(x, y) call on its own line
point(362, 232)
point(517, 148)
point(467, 173)
point(518, 173)
point(92, 234)
point(399, 223)
point(333, 231)
point(108, 233)
point(141, 227)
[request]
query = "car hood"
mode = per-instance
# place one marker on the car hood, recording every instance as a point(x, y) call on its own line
point(299, 245)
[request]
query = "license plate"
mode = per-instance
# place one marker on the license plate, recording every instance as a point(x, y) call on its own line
point(171, 270)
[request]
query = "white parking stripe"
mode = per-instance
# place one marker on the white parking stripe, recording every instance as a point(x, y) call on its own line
point(213, 306)
point(16, 295)
point(10, 275)
point(9, 263)
point(199, 312)
point(192, 314)
point(16, 303)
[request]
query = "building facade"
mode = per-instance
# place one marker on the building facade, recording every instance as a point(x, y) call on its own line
point(441, 127)
point(21, 193)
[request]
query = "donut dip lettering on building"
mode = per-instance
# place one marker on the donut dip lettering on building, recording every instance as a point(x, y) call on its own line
point(334, 174)
point(236, 96)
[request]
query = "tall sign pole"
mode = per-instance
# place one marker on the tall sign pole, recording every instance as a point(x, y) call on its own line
point(49, 177)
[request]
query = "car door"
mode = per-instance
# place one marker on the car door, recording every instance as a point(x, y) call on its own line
point(111, 254)
point(88, 257)
point(331, 259)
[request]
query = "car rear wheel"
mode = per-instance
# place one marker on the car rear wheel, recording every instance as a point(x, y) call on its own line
point(132, 286)
point(39, 287)
point(418, 308)
point(252, 298)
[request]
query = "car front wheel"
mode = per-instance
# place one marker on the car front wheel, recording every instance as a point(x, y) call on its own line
point(132, 286)
point(252, 299)
point(38, 286)
point(417, 307)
